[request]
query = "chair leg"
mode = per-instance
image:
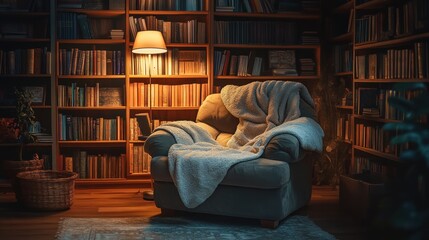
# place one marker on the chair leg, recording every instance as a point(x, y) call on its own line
point(168, 212)
point(269, 224)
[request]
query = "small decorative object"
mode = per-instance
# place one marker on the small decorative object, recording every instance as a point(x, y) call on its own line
point(46, 190)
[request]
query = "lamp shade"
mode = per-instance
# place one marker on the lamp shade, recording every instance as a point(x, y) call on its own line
point(149, 42)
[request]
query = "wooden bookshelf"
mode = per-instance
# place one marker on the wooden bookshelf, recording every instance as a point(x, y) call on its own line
point(27, 53)
point(339, 48)
point(374, 68)
point(61, 40)
point(225, 47)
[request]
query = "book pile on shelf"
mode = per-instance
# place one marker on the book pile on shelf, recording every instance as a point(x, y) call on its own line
point(116, 34)
point(310, 38)
point(307, 67)
point(371, 112)
point(43, 137)
point(282, 62)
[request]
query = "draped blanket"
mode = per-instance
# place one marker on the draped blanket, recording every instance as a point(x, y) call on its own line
point(197, 163)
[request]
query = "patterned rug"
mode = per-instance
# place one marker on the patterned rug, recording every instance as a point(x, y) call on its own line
point(294, 227)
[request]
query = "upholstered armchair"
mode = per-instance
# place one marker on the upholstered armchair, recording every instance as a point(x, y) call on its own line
point(267, 188)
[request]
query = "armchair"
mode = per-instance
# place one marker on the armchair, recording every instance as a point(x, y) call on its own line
point(268, 188)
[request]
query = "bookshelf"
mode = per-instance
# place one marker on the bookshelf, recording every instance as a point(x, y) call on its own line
point(258, 41)
point(26, 61)
point(389, 46)
point(96, 86)
point(340, 31)
point(91, 91)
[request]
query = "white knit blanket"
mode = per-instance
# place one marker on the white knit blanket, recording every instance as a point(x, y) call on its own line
point(197, 163)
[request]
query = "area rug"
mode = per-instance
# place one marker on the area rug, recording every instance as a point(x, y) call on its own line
point(294, 227)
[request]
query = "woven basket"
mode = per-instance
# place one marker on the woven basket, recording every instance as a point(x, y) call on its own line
point(46, 190)
point(11, 168)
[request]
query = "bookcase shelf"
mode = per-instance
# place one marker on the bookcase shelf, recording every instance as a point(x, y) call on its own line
point(27, 58)
point(345, 37)
point(391, 43)
point(387, 156)
point(59, 82)
point(383, 57)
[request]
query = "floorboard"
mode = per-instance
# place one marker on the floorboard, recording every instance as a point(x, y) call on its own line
point(17, 223)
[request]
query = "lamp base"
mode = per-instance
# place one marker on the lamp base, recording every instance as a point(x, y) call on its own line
point(148, 195)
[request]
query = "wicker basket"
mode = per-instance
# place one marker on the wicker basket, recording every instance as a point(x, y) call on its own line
point(46, 189)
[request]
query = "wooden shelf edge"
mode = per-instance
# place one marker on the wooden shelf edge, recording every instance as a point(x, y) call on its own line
point(377, 153)
point(392, 42)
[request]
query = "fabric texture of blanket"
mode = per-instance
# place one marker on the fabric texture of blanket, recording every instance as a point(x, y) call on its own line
point(197, 163)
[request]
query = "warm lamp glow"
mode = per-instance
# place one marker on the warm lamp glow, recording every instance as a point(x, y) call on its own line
point(149, 42)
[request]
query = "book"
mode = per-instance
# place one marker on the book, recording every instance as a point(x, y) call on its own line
point(111, 96)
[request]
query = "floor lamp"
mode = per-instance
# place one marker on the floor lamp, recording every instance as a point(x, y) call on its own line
point(148, 43)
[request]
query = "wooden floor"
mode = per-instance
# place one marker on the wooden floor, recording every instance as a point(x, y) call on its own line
point(18, 223)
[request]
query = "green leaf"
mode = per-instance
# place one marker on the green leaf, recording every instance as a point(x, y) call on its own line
point(402, 126)
point(410, 86)
point(408, 155)
point(407, 137)
point(401, 104)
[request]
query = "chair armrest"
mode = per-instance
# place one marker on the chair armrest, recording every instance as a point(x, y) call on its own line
point(158, 143)
point(284, 147)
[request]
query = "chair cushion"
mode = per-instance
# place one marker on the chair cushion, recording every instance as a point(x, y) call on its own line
point(214, 113)
point(261, 173)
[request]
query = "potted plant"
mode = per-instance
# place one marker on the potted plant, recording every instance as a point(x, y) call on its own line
point(24, 118)
point(404, 213)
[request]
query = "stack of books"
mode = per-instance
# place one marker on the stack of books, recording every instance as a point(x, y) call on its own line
point(116, 34)
point(307, 67)
point(43, 137)
point(371, 112)
point(282, 62)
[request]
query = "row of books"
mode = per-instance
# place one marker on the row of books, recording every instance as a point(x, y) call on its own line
point(393, 22)
point(26, 61)
point(139, 161)
point(73, 128)
point(368, 166)
point(93, 166)
point(160, 95)
point(406, 63)
point(343, 58)
point(174, 62)
point(76, 61)
point(374, 137)
point(344, 130)
point(135, 129)
point(189, 31)
point(255, 32)
point(75, 95)
point(73, 25)
point(226, 63)
point(169, 5)
point(373, 102)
